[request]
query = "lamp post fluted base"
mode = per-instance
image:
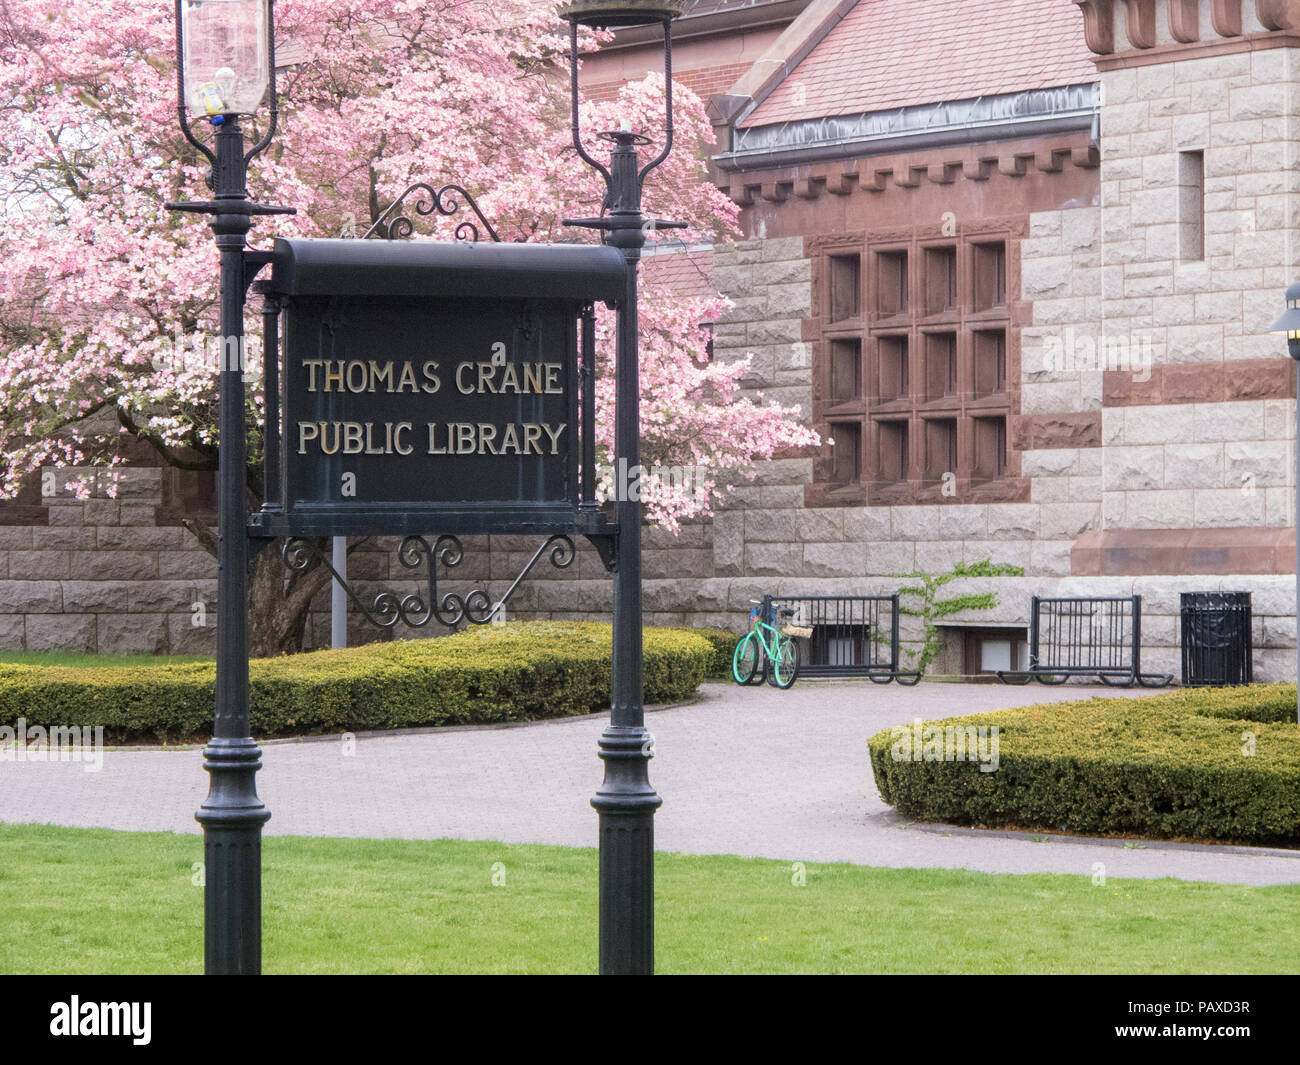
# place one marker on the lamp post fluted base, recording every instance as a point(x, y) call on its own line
point(626, 803)
point(232, 817)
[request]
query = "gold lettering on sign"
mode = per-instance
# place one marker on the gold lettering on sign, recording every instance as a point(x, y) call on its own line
point(510, 379)
point(486, 438)
point(472, 378)
point(357, 376)
point(510, 440)
point(554, 434)
point(381, 375)
point(407, 379)
point(460, 385)
point(355, 438)
point(532, 377)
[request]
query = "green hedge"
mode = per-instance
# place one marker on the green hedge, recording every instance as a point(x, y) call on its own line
point(724, 650)
point(1166, 766)
point(516, 672)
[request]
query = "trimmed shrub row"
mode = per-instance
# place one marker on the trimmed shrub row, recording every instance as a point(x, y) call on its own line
point(1165, 766)
point(517, 672)
point(724, 649)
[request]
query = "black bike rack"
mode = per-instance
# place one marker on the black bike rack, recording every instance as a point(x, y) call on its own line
point(1071, 637)
point(852, 636)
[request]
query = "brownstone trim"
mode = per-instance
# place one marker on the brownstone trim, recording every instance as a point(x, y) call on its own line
point(1168, 53)
point(1278, 17)
point(1251, 550)
point(1098, 25)
point(1039, 431)
point(1225, 17)
point(872, 411)
point(27, 507)
point(1184, 20)
point(1272, 14)
point(23, 513)
point(1140, 22)
point(1193, 382)
point(187, 494)
point(912, 170)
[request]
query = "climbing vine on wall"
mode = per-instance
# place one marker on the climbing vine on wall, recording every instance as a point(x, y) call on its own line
point(930, 608)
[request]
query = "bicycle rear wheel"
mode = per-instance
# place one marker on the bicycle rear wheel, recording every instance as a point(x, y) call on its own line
point(744, 663)
point(784, 667)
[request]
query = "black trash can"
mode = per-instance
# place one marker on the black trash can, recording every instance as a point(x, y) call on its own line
point(1217, 644)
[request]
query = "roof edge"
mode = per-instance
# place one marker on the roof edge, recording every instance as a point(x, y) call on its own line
point(747, 17)
point(776, 64)
point(1031, 112)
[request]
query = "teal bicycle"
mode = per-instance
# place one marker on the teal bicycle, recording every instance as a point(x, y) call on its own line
point(766, 652)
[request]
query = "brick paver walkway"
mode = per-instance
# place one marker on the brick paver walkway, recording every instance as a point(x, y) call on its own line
point(744, 771)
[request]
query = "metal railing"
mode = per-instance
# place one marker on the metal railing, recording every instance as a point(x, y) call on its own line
point(1101, 637)
point(850, 636)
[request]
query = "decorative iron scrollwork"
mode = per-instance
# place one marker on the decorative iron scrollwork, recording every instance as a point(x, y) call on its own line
point(416, 610)
point(445, 201)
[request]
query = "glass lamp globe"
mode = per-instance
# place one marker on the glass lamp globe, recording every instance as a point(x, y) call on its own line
point(226, 55)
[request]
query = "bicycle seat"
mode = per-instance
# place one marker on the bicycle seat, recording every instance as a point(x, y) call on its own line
point(786, 612)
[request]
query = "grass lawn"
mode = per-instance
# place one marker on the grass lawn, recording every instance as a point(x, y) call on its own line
point(97, 901)
point(73, 658)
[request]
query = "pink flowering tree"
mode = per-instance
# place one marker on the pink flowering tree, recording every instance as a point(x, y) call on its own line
point(107, 301)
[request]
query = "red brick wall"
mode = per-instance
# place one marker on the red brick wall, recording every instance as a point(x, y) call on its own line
point(702, 82)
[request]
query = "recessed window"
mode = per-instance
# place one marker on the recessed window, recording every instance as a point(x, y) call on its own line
point(940, 280)
point(845, 287)
point(1191, 205)
point(926, 367)
point(891, 283)
point(988, 650)
point(989, 274)
point(840, 645)
point(893, 450)
point(990, 448)
point(846, 362)
point(940, 448)
point(891, 357)
point(990, 362)
point(940, 365)
point(846, 453)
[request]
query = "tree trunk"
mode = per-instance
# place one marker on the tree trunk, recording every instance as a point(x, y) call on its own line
point(278, 598)
point(278, 602)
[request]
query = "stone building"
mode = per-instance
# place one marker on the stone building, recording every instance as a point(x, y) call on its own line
point(1016, 260)
point(1013, 259)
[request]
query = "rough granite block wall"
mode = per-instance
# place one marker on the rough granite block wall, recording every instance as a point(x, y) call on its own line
point(103, 577)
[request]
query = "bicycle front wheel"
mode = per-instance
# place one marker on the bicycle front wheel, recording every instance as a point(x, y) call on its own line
point(784, 669)
point(744, 663)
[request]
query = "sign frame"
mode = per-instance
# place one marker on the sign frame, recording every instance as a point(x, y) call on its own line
point(438, 279)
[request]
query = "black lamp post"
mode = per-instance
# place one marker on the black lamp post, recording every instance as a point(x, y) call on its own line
point(626, 801)
point(1289, 324)
point(225, 65)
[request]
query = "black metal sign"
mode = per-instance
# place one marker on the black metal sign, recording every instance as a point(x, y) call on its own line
point(430, 385)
